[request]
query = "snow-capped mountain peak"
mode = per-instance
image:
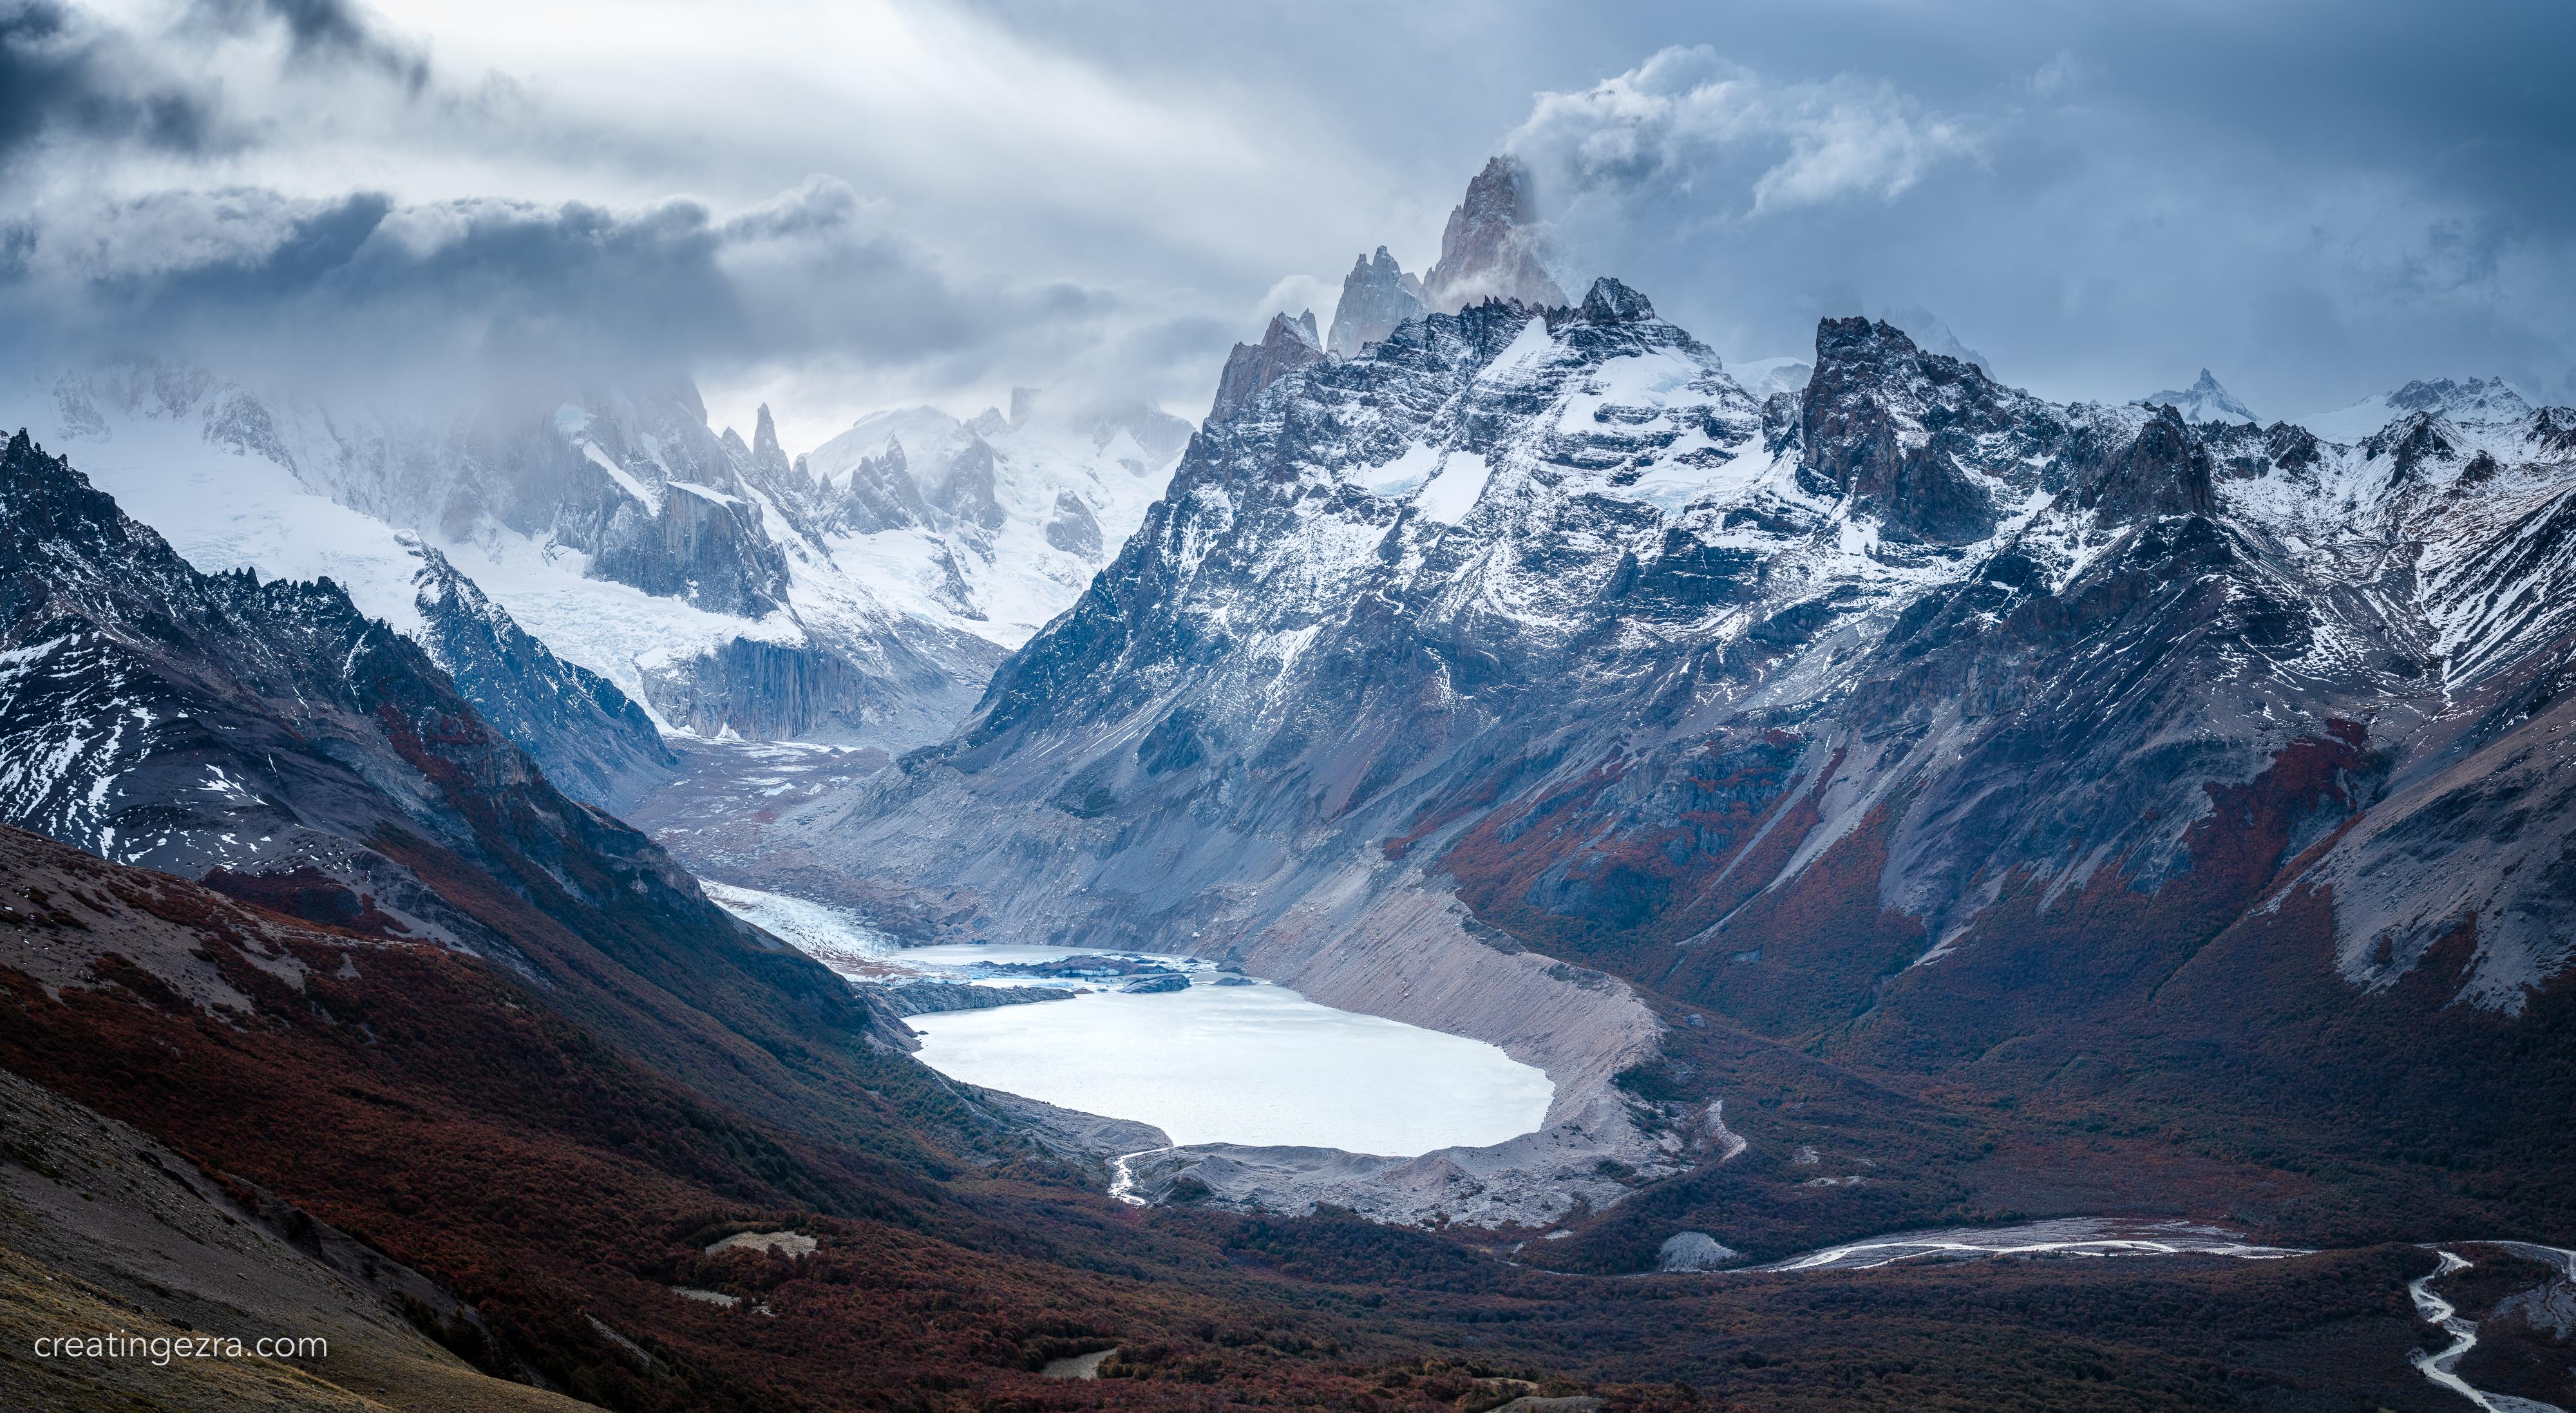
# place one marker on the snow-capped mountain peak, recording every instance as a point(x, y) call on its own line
point(2459, 400)
point(2475, 400)
point(2206, 400)
point(993, 525)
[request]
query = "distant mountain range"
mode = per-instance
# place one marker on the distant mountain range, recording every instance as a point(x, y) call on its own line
point(716, 583)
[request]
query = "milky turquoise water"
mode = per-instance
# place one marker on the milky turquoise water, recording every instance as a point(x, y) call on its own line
point(1251, 1064)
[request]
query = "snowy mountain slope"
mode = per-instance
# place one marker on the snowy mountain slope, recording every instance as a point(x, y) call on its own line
point(190, 723)
point(2469, 400)
point(989, 528)
point(233, 513)
point(593, 741)
point(694, 571)
point(227, 509)
point(1912, 710)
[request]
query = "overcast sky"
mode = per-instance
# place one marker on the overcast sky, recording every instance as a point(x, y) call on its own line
point(841, 206)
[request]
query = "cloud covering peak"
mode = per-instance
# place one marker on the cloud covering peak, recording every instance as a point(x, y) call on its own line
point(936, 200)
point(1688, 116)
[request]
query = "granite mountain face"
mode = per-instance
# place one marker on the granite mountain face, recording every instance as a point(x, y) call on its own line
point(1286, 345)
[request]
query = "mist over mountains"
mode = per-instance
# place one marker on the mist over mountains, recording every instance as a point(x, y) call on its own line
point(534, 726)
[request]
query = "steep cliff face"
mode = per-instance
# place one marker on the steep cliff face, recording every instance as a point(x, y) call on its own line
point(704, 546)
point(1904, 715)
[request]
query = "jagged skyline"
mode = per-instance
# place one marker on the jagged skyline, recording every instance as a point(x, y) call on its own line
point(938, 202)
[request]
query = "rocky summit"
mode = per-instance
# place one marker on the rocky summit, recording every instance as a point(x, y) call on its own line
point(1377, 296)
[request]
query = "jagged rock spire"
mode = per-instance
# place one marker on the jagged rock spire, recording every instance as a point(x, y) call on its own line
point(765, 449)
point(1377, 296)
point(1492, 247)
point(1287, 345)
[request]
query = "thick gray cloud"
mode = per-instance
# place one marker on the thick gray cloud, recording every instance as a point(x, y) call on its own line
point(61, 76)
point(859, 204)
point(379, 299)
point(2093, 222)
point(2317, 199)
point(321, 32)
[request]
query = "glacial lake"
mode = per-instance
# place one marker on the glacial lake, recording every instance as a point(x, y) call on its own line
point(1215, 1063)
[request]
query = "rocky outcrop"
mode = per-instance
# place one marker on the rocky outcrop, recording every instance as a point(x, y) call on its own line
point(967, 485)
point(1377, 295)
point(880, 494)
point(791, 691)
point(1286, 346)
point(930, 998)
point(705, 546)
point(1925, 444)
point(1073, 528)
point(1491, 247)
point(2165, 470)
